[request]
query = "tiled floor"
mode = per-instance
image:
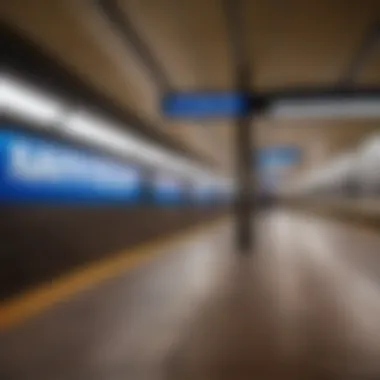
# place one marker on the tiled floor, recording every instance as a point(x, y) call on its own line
point(305, 305)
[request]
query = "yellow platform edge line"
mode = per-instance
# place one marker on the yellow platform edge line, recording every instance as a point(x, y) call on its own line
point(32, 302)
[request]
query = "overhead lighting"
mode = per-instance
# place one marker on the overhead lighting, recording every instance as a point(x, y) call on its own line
point(83, 125)
point(326, 108)
point(371, 147)
point(22, 101)
point(25, 101)
point(92, 129)
point(369, 159)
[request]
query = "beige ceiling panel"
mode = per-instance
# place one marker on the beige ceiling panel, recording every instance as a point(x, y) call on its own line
point(207, 138)
point(188, 37)
point(371, 71)
point(297, 42)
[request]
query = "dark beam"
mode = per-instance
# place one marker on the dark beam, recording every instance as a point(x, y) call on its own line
point(366, 49)
point(122, 24)
point(245, 166)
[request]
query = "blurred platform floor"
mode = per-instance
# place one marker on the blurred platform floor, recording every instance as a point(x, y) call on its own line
point(305, 305)
point(367, 207)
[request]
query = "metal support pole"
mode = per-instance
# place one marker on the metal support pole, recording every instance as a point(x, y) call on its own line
point(244, 200)
point(245, 189)
point(243, 139)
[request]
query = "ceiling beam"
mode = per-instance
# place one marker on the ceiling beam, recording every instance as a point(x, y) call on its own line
point(122, 24)
point(367, 48)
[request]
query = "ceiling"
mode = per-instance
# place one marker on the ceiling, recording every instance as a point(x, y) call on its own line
point(290, 43)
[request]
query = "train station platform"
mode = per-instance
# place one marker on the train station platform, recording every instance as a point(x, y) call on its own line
point(361, 211)
point(131, 131)
point(304, 305)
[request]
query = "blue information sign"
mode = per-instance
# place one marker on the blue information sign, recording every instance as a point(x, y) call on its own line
point(283, 155)
point(196, 105)
point(33, 169)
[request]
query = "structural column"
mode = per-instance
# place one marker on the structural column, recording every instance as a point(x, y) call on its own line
point(244, 162)
point(244, 166)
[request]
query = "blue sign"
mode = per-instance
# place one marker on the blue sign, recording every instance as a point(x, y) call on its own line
point(196, 105)
point(285, 155)
point(33, 169)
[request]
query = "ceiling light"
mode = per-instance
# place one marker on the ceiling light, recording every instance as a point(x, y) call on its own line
point(20, 100)
point(93, 129)
point(326, 108)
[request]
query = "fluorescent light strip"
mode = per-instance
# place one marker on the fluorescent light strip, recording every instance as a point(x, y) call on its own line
point(92, 129)
point(85, 126)
point(22, 101)
point(368, 159)
point(326, 108)
point(371, 147)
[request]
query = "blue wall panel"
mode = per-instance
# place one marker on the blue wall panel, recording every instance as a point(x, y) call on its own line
point(37, 170)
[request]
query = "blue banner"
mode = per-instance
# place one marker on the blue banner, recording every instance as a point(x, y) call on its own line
point(37, 170)
point(198, 105)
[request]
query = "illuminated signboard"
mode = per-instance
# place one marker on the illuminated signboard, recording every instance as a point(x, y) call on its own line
point(206, 104)
point(33, 169)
